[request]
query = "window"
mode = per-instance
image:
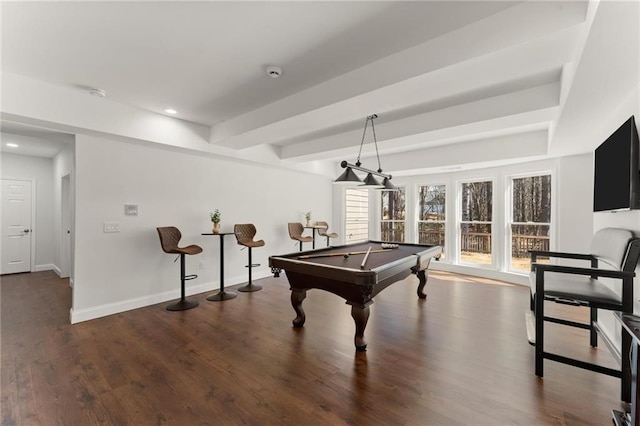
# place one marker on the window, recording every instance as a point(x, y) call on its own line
point(393, 214)
point(431, 214)
point(475, 224)
point(530, 219)
point(356, 215)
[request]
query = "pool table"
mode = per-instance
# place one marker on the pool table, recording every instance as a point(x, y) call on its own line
point(349, 277)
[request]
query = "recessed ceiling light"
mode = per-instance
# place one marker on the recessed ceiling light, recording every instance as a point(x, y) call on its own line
point(12, 145)
point(170, 111)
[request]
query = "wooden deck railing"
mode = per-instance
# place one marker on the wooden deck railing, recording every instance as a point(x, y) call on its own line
point(474, 242)
point(521, 244)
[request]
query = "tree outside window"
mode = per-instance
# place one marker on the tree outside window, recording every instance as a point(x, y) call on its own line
point(531, 219)
point(476, 221)
point(393, 216)
point(431, 214)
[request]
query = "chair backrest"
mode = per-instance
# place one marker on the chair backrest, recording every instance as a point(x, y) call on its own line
point(325, 227)
point(169, 238)
point(295, 230)
point(244, 232)
point(612, 246)
point(632, 257)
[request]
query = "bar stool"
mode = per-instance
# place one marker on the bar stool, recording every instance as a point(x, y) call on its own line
point(169, 239)
point(244, 233)
point(323, 231)
point(295, 233)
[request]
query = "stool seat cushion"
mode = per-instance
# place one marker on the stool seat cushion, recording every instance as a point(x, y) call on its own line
point(250, 243)
point(191, 249)
point(323, 231)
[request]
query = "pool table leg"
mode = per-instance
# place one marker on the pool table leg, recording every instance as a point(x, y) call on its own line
point(422, 276)
point(360, 316)
point(297, 296)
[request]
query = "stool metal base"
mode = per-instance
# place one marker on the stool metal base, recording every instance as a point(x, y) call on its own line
point(250, 287)
point(222, 295)
point(182, 305)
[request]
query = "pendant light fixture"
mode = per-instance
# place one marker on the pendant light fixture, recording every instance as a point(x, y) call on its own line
point(349, 177)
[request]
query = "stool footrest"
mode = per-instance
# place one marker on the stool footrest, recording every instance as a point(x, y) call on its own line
point(253, 265)
point(190, 277)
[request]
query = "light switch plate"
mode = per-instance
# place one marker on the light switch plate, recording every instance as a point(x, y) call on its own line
point(111, 227)
point(131, 210)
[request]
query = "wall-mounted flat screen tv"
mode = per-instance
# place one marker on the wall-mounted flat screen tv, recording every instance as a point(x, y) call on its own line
point(616, 184)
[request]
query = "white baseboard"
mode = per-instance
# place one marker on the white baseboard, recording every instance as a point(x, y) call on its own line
point(86, 314)
point(510, 277)
point(47, 267)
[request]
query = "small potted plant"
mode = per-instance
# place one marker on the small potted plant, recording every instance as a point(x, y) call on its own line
point(307, 216)
point(215, 218)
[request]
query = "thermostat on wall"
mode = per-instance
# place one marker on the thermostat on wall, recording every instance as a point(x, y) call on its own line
point(131, 210)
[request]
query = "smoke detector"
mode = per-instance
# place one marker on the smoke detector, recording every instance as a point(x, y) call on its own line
point(274, 72)
point(98, 92)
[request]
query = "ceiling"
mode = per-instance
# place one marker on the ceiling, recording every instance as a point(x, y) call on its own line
point(33, 141)
point(437, 73)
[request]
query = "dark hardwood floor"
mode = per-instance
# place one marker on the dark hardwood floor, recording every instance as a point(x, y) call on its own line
point(459, 358)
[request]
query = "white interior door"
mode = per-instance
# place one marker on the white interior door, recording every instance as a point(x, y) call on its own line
point(65, 252)
point(16, 226)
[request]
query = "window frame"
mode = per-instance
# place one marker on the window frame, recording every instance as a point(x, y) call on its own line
point(447, 213)
point(381, 220)
point(459, 222)
point(509, 211)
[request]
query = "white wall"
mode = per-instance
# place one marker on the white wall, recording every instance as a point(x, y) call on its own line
point(625, 219)
point(120, 271)
point(40, 170)
point(575, 203)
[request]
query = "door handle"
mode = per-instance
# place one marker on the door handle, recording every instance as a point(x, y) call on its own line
point(26, 231)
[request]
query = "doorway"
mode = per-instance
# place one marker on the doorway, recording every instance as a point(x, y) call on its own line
point(17, 216)
point(65, 226)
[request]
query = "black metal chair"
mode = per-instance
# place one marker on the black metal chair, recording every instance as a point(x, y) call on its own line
point(244, 235)
point(169, 239)
point(323, 231)
point(614, 256)
point(295, 233)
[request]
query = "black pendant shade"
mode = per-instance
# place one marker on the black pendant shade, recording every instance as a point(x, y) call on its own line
point(349, 177)
point(388, 186)
point(372, 182)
